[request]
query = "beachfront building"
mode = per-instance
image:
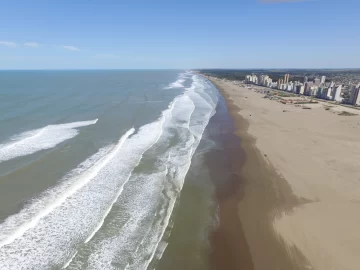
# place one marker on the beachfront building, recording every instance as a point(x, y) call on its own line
point(327, 93)
point(298, 89)
point(314, 90)
point(269, 82)
point(330, 93)
point(307, 90)
point(337, 94)
point(273, 85)
point(318, 88)
point(265, 80)
point(251, 79)
point(319, 92)
point(302, 90)
point(354, 95)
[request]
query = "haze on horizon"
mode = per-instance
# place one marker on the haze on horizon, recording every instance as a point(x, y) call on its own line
point(188, 34)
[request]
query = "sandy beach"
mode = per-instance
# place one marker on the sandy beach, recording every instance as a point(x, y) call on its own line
point(301, 196)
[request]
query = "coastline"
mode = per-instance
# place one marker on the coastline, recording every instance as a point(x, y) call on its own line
point(300, 204)
point(258, 202)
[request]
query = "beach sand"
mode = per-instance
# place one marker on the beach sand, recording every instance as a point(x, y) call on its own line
point(300, 201)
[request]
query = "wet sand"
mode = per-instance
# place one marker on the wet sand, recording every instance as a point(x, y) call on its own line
point(301, 197)
point(229, 246)
point(253, 196)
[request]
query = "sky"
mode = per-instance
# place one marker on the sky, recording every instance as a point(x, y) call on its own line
point(159, 34)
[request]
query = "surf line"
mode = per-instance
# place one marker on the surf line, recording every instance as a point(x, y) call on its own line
point(117, 195)
point(172, 203)
point(32, 223)
point(33, 141)
point(68, 263)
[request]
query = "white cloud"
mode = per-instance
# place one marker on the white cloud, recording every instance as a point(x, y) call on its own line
point(9, 44)
point(71, 48)
point(32, 44)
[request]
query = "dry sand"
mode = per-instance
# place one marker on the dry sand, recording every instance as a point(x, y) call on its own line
point(312, 201)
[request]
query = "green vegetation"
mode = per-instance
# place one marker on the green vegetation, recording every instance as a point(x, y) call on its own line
point(276, 74)
point(306, 102)
point(282, 94)
point(327, 107)
point(233, 75)
point(344, 113)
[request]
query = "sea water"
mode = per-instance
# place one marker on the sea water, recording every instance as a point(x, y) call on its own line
point(93, 164)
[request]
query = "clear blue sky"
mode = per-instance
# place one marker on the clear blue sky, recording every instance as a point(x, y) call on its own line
point(78, 34)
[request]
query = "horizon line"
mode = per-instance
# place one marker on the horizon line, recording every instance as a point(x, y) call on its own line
point(98, 69)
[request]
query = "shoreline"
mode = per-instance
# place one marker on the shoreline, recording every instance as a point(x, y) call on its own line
point(257, 203)
point(302, 191)
point(230, 249)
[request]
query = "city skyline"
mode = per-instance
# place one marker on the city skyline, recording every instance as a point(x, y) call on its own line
point(347, 93)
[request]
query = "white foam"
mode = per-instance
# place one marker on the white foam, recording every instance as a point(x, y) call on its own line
point(134, 233)
point(68, 263)
point(179, 82)
point(77, 217)
point(181, 167)
point(17, 224)
point(141, 238)
point(33, 141)
point(122, 186)
point(82, 181)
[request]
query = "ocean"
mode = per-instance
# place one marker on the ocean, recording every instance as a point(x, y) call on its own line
point(106, 169)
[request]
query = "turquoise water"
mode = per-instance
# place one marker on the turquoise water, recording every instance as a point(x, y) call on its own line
point(92, 165)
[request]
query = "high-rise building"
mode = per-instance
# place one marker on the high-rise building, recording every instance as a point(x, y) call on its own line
point(302, 90)
point(357, 100)
point(355, 95)
point(307, 90)
point(323, 79)
point(317, 81)
point(264, 80)
point(324, 93)
point(337, 95)
point(286, 78)
point(329, 94)
point(314, 90)
point(305, 79)
point(319, 92)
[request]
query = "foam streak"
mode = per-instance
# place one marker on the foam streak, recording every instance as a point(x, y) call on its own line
point(30, 142)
